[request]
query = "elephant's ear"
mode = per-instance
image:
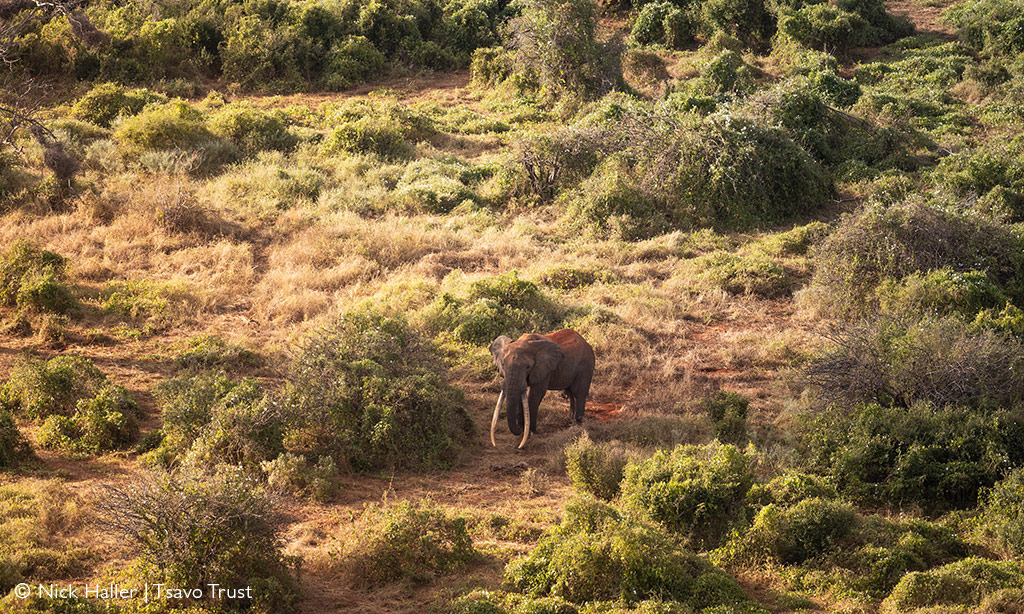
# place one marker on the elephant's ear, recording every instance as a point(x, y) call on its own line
point(549, 354)
point(497, 349)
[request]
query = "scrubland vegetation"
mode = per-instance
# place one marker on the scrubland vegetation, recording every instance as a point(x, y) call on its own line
point(253, 254)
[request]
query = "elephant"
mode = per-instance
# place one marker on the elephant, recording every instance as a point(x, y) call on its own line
point(561, 360)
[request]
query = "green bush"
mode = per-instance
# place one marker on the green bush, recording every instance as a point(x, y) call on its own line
point(809, 529)
point(891, 242)
point(106, 102)
point(33, 279)
point(597, 555)
point(555, 43)
point(300, 476)
point(79, 408)
point(595, 468)
point(174, 125)
point(493, 306)
point(824, 27)
point(698, 492)
point(209, 351)
point(351, 61)
point(385, 129)
point(210, 419)
point(728, 414)
point(370, 392)
point(964, 583)
point(992, 26)
point(664, 23)
point(1002, 515)
point(107, 421)
point(408, 541)
point(13, 446)
point(251, 129)
point(723, 171)
point(435, 186)
point(749, 274)
point(791, 488)
point(936, 458)
point(194, 529)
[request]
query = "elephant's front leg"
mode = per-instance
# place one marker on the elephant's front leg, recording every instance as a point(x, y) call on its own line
point(534, 399)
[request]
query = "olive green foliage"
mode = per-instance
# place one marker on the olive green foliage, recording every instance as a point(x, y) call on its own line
point(437, 185)
point(384, 128)
point(411, 541)
point(300, 476)
point(596, 554)
point(881, 243)
point(680, 173)
point(664, 23)
point(595, 468)
point(500, 305)
point(13, 446)
point(251, 129)
point(838, 28)
point(173, 125)
point(210, 352)
point(936, 458)
point(79, 408)
point(34, 280)
point(210, 419)
point(195, 529)
point(556, 45)
point(1002, 516)
point(991, 26)
point(808, 529)
point(36, 520)
point(944, 361)
point(106, 102)
point(698, 492)
point(728, 414)
point(754, 273)
point(369, 391)
point(271, 46)
point(963, 583)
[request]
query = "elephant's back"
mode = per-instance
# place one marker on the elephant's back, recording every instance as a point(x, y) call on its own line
point(572, 341)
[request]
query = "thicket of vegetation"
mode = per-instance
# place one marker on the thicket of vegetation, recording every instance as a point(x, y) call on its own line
point(791, 231)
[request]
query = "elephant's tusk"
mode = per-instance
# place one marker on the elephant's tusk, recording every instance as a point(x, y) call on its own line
point(494, 420)
point(526, 420)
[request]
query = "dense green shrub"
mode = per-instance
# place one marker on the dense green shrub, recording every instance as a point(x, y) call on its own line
point(791, 488)
point(597, 555)
point(964, 583)
point(252, 130)
point(34, 279)
point(595, 468)
point(38, 389)
point(385, 129)
point(891, 242)
point(79, 408)
point(210, 419)
point(370, 392)
point(209, 351)
point(107, 421)
point(13, 446)
point(824, 27)
point(807, 529)
point(992, 26)
point(728, 414)
point(300, 476)
point(106, 102)
point(664, 23)
point(436, 186)
point(174, 125)
point(754, 274)
point(195, 529)
point(408, 541)
point(493, 306)
point(555, 43)
point(933, 457)
point(696, 491)
point(944, 361)
point(1002, 516)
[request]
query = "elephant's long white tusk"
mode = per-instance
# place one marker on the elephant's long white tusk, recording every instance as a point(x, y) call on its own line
point(526, 419)
point(494, 420)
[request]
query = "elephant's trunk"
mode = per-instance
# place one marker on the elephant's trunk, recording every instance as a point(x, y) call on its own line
point(494, 420)
point(526, 421)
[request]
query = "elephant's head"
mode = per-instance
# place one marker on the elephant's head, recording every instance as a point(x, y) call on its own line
point(525, 363)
